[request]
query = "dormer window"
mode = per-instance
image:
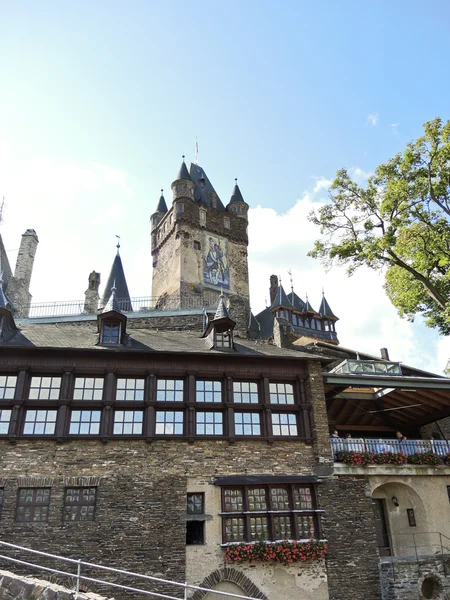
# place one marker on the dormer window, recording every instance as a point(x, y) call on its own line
point(223, 339)
point(110, 333)
point(227, 223)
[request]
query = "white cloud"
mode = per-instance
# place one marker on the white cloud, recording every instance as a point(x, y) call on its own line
point(321, 184)
point(359, 175)
point(372, 119)
point(394, 128)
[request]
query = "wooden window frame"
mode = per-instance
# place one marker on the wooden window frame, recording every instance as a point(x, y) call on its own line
point(124, 422)
point(51, 387)
point(3, 389)
point(35, 422)
point(270, 513)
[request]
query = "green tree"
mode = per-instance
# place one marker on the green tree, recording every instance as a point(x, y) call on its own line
point(399, 223)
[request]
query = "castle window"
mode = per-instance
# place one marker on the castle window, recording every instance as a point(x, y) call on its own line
point(238, 208)
point(7, 386)
point(195, 528)
point(247, 424)
point(85, 422)
point(180, 187)
point(180, 207)
point(40, 422)
point(5, 418)
point(284, 424)
point(169, 390)
point(130, 389)
point(79, 504)
point(227, 223)
point(281, 393)
point(128, 422)
point(245, 392)
point(203, 216)
point(33, 505)
point(268, 513)
point(169, 422)
point(208, 391)
point(88, 388)
point(45, 388)
point(223, 339)
point(197, 245)
point(209, 423)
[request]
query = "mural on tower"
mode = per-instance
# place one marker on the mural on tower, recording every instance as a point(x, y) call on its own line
point(216, 270)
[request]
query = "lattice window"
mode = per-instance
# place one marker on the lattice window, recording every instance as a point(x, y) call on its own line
point(5, 418)
point(128, 422)
point(284, 424)
point(208, 391)
point(85, 422)
point(245, 392)
point(111, 333)
point(40, 422)
point(209, 423)
point(88, 388)
point(79, 504)
point(7, 386)
point(33, 505)
point(169, 422)
point(169, 390)
point(45, 388)
point(130, 389)
point(281, 393)
point(247, 424)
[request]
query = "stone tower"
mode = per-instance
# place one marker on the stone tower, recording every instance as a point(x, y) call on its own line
point(91, 295)
point(199, 247)
point(19, 285)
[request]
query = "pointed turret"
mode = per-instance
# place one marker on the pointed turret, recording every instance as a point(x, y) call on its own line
point(281, 300)
point(117, 279)
point(113, 303)
point(325, 310)
point(222, 311)
point(296, 301)
point(183, 187)
point(183, 173)
point(237, 204)
point(161, 210)
point(112, 323)
point(219, 332)
point(308, 308)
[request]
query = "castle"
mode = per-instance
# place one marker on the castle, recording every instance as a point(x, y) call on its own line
point(176, 437)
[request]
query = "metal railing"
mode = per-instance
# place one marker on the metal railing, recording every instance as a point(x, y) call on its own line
point(78, 577)
point(379, 446)
point(424, 545)
point(139, 304)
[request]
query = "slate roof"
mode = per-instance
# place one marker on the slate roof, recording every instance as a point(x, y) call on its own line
point(281, 299)
point(117, 279)
point(265, 319)
point(183, 173)
point(325, 310)
point(222, 311)
point(204, 191)
point(296, 301)
point(162, 206)
point(236, 195)
point(85, 336)
point(112, 303)
point(309, 308)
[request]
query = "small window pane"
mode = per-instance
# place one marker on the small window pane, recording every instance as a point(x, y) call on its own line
point(169, 390)
point(130, 389)
point(85, 422)
point(281, 393)
point(234, 529)
point(169, 422)
point(208, 391)
point(257, 499)
point(88, 388)
point(209, 423)
point(79, 504)
point(233, 500)
point(284, 424)
point(32, 505)
point(279, 498)
point(5, 418)
point(306, 527)
point(259, 528)
point(303, 498)
point(247, 424)
point(195, 504)
point(45, 388)
point(245, 392)
point(282, 529)
point(40, 422)
point(128, 422)
point(7, 386)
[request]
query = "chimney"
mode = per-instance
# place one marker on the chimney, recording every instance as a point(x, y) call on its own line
point(19, 285)
point(91, 295)
point(273, 288)
point(384, 354)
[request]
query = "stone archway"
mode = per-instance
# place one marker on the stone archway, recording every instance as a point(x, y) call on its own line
point(229, 575)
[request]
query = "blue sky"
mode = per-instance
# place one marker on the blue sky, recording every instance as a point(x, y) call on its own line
point(99, 101)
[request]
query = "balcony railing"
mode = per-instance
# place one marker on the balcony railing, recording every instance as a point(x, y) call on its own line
point(380, 446)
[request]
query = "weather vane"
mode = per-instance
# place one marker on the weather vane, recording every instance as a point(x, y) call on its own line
point(196, 150)
point(118, 243)
point(292, 282)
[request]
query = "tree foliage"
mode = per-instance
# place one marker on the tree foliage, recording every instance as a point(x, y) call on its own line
point(399, 223)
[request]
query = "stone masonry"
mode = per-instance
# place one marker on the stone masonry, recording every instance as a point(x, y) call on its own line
point(19, 285)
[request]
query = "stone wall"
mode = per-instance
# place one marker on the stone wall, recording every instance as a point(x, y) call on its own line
point(19, 285)
point(409, 579)
point(13, 587)
point(348, 522)
point(440, 429)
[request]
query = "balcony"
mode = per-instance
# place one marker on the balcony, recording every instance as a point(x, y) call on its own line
point(410, 451)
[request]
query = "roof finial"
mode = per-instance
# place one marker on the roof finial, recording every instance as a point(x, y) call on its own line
point(118, 243)
point(113, 289)
point(235, 180)
point(323, 292)
point(196, 150)
point(183, 157)
point(162, 192)
point(292, 282)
